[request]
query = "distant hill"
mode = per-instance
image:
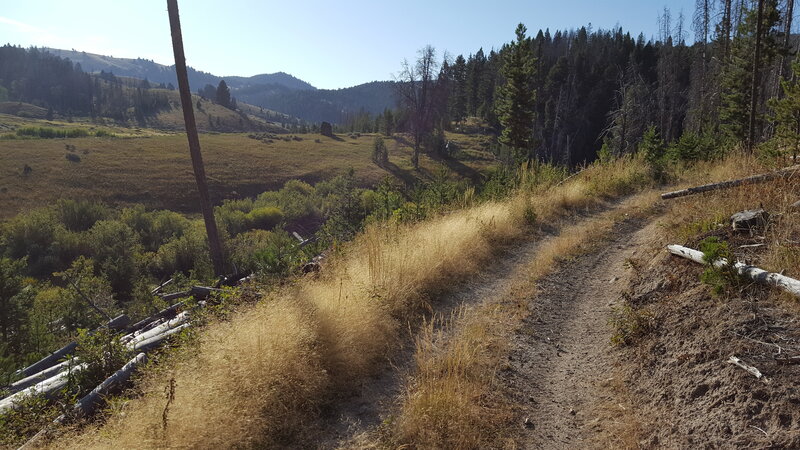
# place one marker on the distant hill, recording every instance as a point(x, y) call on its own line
point(159, 73)
point(277, 91)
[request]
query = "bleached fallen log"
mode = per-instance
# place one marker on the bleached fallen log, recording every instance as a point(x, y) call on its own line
point(756, 274)
point(85, 406)
point(195, 291)
point(48, 361)
point(47, 387)
point(762, 178)
point(166, 312)
point(52, 359)
point(37, 377)
point(164, 327)
point(155, 341)
point(160, 287)
point(752, 370)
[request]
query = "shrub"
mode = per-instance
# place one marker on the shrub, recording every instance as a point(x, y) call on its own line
point(186, 254)
point(32, 235)
point(693, 147)
point(265, 218)
point(80, 215)
point(722, 276)
point(115, 247)
point(630, 324)
point(155, 228)
point(232, 215)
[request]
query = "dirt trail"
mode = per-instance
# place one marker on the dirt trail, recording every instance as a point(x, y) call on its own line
point(364, 411)
point(581, 317)
point(560, 355)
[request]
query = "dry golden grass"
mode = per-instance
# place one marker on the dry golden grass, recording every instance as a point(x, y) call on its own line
point(258, 379)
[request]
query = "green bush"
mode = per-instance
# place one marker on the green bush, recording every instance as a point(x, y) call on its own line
point(32, 235)
point(115, 247)
point(722, 277)
point(265, 218)
point(155, 228)
point(693, 147)
point(186, 254)
point(80, 215)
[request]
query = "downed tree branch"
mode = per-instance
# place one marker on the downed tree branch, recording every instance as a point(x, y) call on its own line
point(782, 282)
point(786, 172)
point(752, 370)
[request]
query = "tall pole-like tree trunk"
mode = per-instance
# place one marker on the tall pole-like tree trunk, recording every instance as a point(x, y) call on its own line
point(787, 31)
point(751, 129)
point(194, 140)
point(726, 29)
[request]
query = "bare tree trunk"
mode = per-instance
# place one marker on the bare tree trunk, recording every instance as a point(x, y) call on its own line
point(751, 133)
point(726, 30)
point(194, 140)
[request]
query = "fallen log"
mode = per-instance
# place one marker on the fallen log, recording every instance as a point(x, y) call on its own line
point(37, 377)
point(86, 405)
point(164, 327)
point(47, 387)
point(756, 274)
point(762, 178)
point(170, 312)
point(48, 361)
point(160, 287)
point(157, 340)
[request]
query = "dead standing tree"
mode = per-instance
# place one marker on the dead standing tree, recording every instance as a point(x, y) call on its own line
point(194, 140)
point(415, 91)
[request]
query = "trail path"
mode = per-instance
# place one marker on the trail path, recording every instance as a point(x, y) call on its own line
point(557, 354)
point(561, 354)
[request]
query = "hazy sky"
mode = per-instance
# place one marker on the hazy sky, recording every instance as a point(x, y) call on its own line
point(330, 44)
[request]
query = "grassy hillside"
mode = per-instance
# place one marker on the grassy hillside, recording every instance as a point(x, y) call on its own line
point(153, 167)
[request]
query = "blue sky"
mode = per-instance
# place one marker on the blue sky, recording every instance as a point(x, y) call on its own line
point(327, 43)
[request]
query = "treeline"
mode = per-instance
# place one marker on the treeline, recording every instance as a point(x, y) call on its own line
point(563, 97)
point(42, 79)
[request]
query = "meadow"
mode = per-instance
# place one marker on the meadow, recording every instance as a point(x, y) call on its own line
point(153, 168)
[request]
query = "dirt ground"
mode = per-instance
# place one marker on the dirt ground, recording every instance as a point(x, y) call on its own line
point(561, 354)
point(686, 392)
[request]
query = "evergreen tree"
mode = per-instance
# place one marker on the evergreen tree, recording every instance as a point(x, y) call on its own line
point(458, 99)
point(223, 94)
point(737, 76)
point(787, 112)
point(515, 107)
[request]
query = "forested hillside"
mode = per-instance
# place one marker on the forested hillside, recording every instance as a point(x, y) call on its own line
point(585, 90)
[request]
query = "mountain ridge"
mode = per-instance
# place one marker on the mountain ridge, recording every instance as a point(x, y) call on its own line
point(277, 91)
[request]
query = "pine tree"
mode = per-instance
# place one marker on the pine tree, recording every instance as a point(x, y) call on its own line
point(787, 112)
point(223, 94)
point(516, 102)
point(737, 77)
